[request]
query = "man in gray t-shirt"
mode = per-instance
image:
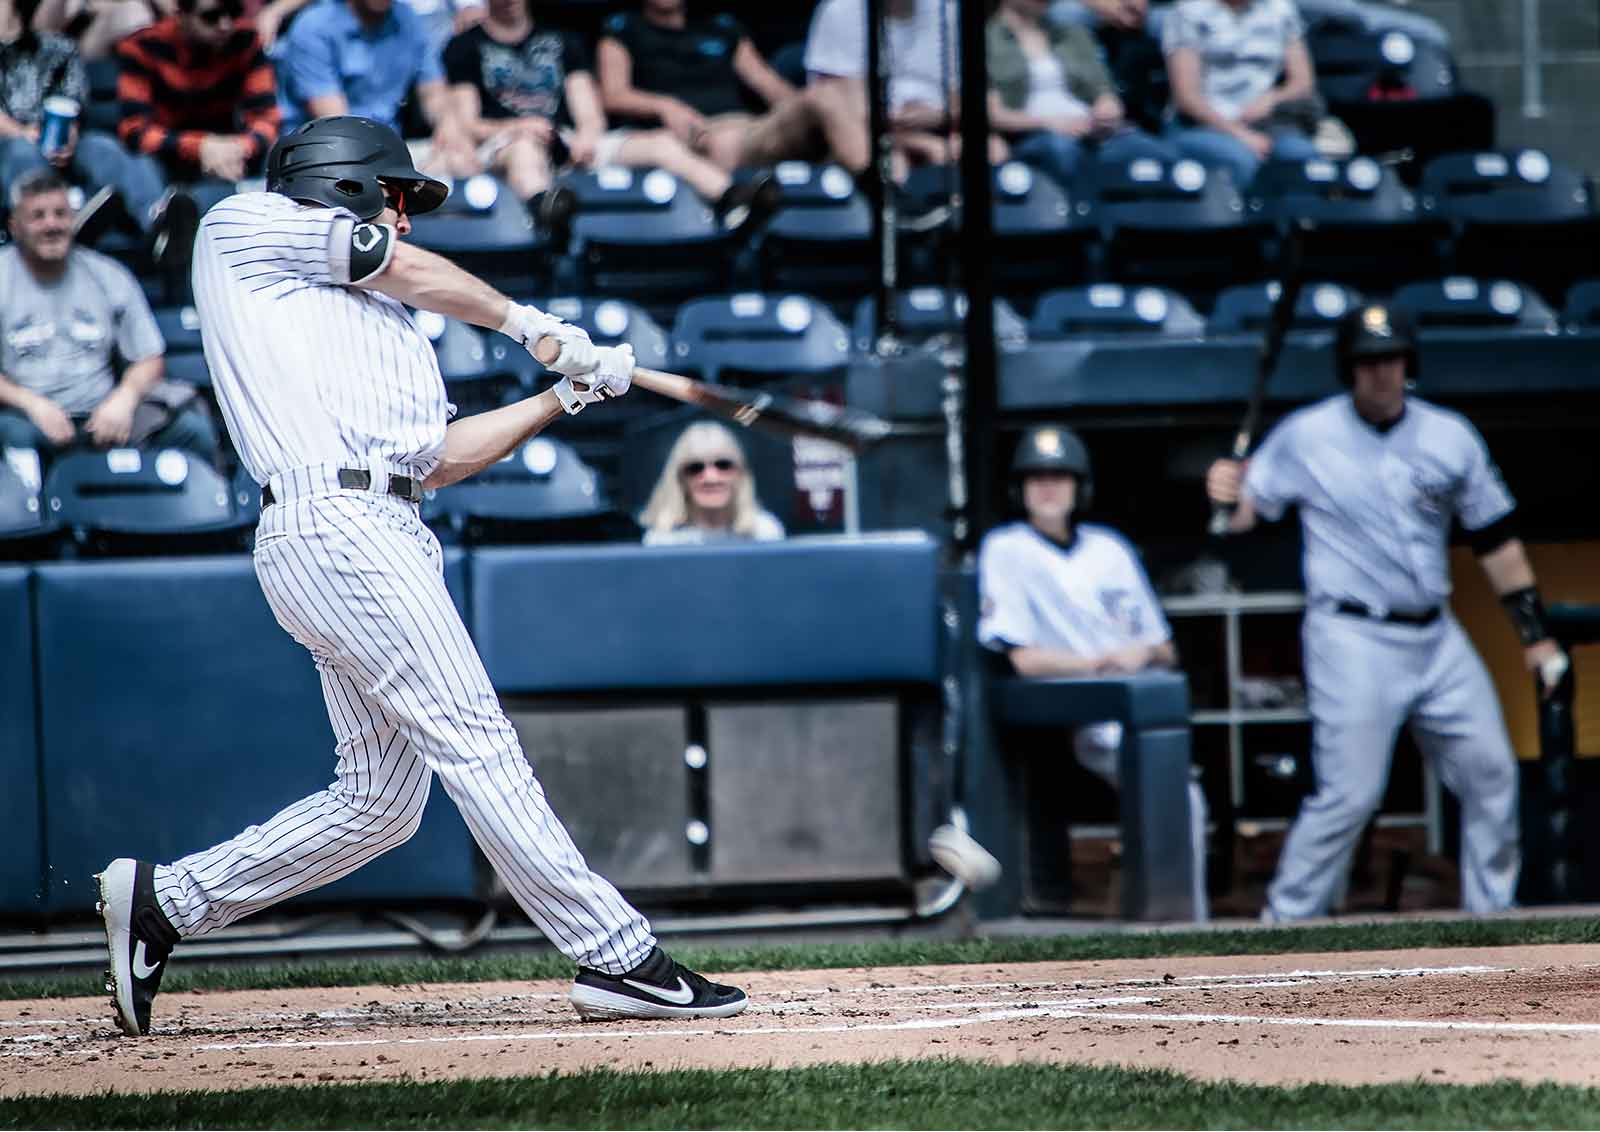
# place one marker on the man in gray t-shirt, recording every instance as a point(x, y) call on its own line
point(67, 316)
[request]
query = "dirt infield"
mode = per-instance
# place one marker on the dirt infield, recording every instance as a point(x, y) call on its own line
point(1530, 1013)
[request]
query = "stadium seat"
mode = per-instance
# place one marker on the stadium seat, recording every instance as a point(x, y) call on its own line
point(485, 228)
point(128, 500)
point(102, 109)
point(819, 240)
point(1516, 213)
point(1358, 64)
point(26, 529)
point(541, 492)
point(923, 312)
point(644, 235)
point(1110, 308)
point(1365, 225)
point(475, 380)
point(1246, 309)
point(1177, 223)
point(1582, 309)
point(1464, 302)
point(1039, 237)
point(185, 357)
point(758, 335)
point(613, 322)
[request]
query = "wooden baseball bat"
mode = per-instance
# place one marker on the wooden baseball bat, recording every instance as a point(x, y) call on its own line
point(856, 429)
point(1278, 323)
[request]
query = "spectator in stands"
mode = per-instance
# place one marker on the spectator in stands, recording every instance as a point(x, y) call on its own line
point(1065, 598)
point(199, 102)
point(362, 57)
point(1054, 96)
point(1127, 15)
point(1225, 59)
point(706, 493)
point(64, 312)
point(96, 26)
point(921, 50)
point(525, 103)
point(35, 66)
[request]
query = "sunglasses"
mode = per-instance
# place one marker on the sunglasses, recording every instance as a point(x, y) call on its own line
point(215, 16)
point(697, 467)
point(395, 197)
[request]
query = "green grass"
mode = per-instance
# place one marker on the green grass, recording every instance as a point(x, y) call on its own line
point(869, 953)
point(922, 1094)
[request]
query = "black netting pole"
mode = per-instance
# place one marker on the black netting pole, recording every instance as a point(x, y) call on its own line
point(880, 178)
point(980, 402)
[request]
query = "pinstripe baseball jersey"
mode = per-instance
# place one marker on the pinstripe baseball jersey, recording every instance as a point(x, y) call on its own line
point(309, 371)
point(1377, 505)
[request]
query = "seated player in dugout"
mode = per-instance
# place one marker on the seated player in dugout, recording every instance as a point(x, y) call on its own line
point(1379, 476)
point(676, 85)
point(1061, 597)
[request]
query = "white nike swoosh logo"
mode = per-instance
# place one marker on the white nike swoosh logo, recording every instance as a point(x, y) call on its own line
point(680, 997)
point(143, 970)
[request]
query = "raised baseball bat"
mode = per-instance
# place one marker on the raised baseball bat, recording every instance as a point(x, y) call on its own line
point(1278, 322)
point(855, 429)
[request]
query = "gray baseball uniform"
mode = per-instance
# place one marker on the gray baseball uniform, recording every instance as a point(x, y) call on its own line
point(1376, 508)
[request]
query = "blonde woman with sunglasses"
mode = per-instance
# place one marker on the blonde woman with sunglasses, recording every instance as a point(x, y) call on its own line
point(706, 493)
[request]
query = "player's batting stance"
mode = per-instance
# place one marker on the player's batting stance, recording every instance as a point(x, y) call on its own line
point(335, 404)
point(1378, 477)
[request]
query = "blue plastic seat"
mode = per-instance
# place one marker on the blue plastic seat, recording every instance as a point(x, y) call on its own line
point(1517, 212)
point(1040, 235)
point(1175, 222)
point(484, 227)
point(541, 492)
point(1247, 308)
point(127, 500)
point(1110, 308)
point(26, 528)
point(1352, 62)
point(614, 322)
point(760, 335)
point(474, 376)
point(1464, 302)
point(820, 238)
point(1365, 226)
point(643, 234)
point(923, 312)
point(1582, 309)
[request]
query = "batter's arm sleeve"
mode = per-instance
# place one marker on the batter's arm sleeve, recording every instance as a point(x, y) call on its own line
point(1271, 481)
point(1482, 498)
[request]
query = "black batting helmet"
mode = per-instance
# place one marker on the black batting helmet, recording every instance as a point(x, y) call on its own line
point(1055, 448)
point(1375, 331)
point(344, 161)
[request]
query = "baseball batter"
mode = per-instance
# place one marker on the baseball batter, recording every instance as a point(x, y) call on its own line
point(1065, 598)
point(1378, 477)
point(335, 403)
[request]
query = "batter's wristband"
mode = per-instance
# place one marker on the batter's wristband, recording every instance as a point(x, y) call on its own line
point(1527, 614)
point(568, 396)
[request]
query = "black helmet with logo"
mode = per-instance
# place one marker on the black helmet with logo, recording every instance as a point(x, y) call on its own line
point(1375, 331)
point(344, 161)
point(1055, 448)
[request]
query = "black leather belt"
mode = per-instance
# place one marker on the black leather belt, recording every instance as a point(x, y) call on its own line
point(1393, 617)
point(359, 479)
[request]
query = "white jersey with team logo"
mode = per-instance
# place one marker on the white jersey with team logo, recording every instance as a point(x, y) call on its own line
point(1088, 599)
point(1376, 506)
point(307, 369)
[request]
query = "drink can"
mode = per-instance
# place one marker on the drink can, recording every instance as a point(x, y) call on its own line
point(55, 132)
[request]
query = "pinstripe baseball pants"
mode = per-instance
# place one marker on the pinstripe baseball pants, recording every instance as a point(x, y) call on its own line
point(358, 580)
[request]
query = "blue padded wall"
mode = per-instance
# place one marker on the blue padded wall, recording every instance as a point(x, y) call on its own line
point(805, 611)
point(21, 870)
point(175, 712)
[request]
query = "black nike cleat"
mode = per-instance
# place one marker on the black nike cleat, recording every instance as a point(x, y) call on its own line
point(139, 938)
point(660, 987)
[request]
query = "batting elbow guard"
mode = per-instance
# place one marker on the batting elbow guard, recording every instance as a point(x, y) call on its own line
point(1527, 614)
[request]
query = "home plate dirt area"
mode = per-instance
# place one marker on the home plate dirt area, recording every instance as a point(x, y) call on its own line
point(1454, 1015)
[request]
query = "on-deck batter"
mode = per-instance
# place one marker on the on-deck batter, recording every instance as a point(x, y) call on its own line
point(335, 403)
point(1378, 477)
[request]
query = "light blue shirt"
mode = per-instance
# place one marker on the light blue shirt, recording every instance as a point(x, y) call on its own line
point(330, 51)
point(1376, 507)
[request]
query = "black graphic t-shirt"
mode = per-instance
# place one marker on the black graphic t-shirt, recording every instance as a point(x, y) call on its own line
point(693, 64)
point(518, 80)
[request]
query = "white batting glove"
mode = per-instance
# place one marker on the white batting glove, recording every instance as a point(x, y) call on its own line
point(528, 324)
point(611, 377)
